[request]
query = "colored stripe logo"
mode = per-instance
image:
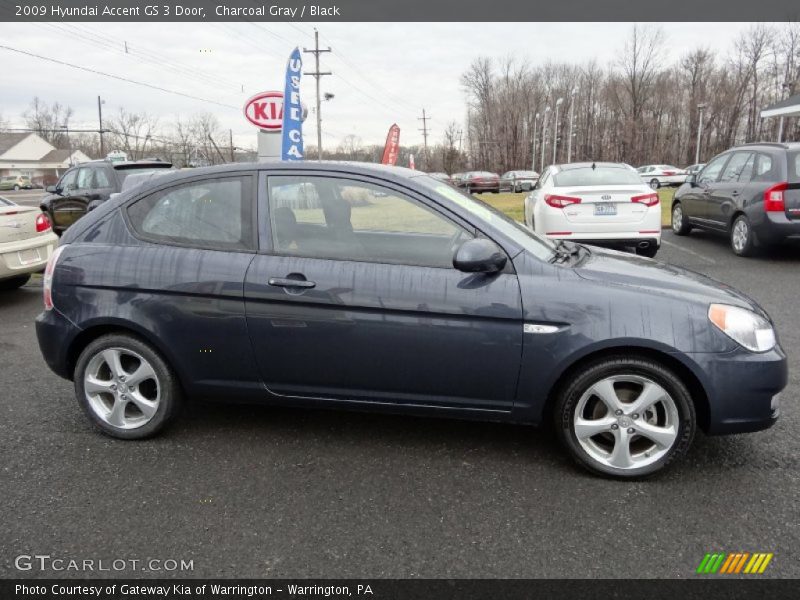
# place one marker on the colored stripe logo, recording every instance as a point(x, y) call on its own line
point(734, 563)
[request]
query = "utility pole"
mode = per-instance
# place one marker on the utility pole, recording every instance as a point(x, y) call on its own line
point(571, 122)
point(559, 102)
point(100, 118)
point(544, 136)
point(230, 137)
point(424, 118)
point(316, 74)
point(700, 107)
point(533, 143)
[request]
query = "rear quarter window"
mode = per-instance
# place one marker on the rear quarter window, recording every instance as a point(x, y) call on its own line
point(211, 213)
point(794, 167)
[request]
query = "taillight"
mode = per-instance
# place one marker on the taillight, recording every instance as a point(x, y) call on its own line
point(557, 201)
point(773, 198)
point(42, 223)
point(646, 199)
point(668, 173)
point(47, 280)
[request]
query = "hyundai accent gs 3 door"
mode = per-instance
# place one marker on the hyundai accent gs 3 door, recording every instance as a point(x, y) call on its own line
point(367, 287)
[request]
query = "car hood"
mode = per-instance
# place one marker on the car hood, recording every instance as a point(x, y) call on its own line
point(620, 268)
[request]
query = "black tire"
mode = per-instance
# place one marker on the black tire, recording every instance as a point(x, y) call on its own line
point(746, 245)
point(581, 381)
point(13, 283)
point(649, 252)
point(16, 188)
point(170, 401)
point(683, 228)
point(655, 184)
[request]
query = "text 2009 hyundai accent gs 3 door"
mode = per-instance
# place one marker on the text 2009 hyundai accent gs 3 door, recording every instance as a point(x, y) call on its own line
point(366, 287)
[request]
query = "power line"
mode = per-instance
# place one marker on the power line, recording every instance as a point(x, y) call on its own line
point(117, 77)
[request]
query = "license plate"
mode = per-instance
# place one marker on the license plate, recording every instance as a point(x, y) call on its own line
point(27, 257)
point(605, 209)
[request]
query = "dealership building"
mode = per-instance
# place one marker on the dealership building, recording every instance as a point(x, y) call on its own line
point(29, 154)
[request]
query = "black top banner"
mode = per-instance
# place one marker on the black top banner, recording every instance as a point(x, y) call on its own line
point(403, 10)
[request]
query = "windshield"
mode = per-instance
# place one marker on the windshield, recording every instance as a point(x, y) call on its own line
point(540, 247)
point(587, 176)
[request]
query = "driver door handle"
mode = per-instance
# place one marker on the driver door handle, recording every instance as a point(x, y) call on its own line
point(290, 283)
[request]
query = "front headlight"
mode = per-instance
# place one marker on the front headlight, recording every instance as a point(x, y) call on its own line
point(743, 326)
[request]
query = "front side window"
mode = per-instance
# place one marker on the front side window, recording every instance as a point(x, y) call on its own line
point(735, 167)
point(212, 213)
point(84, 181)
point(67, 182)
point(343, 219)
point(712, 170)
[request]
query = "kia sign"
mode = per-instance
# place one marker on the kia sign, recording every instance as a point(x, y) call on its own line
point(265, 110)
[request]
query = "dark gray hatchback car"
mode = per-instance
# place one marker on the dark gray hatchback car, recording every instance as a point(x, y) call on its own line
point(367, 287)
point(751, 192)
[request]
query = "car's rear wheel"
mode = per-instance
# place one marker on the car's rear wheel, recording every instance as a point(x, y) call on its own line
point(125, 387)
point(16, 188)
point(655, 184)
point(625, 417)
point(743, 241)
point(680, 225)
point(13, 283)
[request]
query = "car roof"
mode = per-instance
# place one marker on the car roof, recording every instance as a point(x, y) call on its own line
point(386, 172)
point(783, 145)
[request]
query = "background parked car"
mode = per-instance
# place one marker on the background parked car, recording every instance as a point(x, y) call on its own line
point(694, 169)
point(481, 181)
point(26, 242)
point(605, 204)
point(518, 181)
point(441, 176)
point(15, 182)
point(457, 179)
point(751, 192)
point(88, 185)
point(662, 175)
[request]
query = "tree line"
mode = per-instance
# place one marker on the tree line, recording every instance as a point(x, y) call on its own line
point(641, 109)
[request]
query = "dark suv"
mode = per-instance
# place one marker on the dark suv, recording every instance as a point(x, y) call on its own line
point(85, 186)
point(751, 192)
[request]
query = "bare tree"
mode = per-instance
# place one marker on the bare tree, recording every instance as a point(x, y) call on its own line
point(50, 121)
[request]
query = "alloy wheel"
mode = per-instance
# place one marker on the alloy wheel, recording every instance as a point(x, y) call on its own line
point(626, 422)
point(740, 235)
point(677, 217)
point(122, 388)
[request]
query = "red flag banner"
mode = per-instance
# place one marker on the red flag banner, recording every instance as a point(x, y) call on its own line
point(392, 148)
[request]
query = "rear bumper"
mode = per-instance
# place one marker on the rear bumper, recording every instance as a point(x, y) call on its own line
point(55, 334)
point(19, 258)
point(742, 389)
point(773, 227)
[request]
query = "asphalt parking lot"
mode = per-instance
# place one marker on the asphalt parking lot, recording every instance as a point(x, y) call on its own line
point(262, 492)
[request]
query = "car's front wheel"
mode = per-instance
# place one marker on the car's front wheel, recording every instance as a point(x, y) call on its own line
point(125, 387)
point(625, 417)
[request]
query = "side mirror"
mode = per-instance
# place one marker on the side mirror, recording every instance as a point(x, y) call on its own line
point(50, 189)
point(692, 179)
point(479, 255)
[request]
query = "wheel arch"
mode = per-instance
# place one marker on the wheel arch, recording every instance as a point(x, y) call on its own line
point(671, 361)
point(107, 327)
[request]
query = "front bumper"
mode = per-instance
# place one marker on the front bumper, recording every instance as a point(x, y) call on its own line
point(741, 387)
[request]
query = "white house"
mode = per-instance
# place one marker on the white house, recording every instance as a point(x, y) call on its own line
point(29, 154)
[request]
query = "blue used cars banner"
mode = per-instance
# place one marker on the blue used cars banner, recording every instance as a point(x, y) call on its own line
point(292, 147)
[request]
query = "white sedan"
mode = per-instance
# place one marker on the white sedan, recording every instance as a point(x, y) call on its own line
point(662, 175)
point(605, 204)
point(26, 242)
